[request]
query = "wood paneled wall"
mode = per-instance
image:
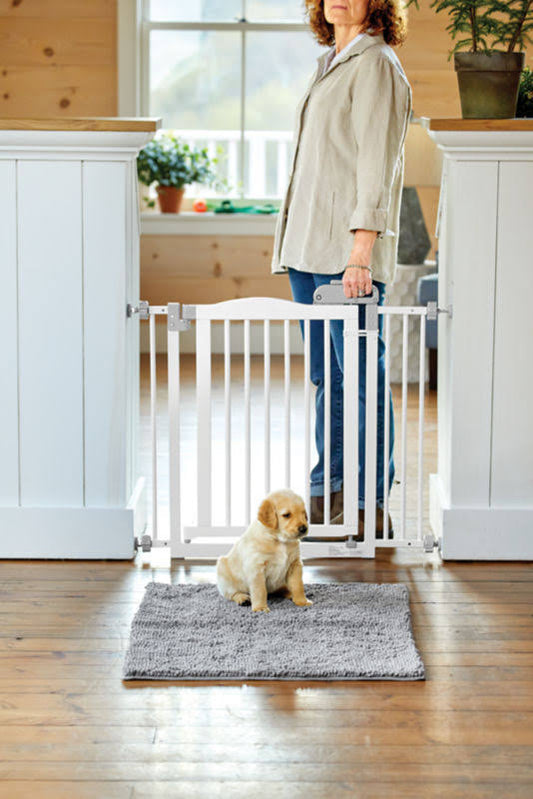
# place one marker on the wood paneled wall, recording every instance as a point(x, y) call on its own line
point(58, 57)
point(196, 269)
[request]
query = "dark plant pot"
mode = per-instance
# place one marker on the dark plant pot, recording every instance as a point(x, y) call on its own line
point(169, 198)
point(488, 83)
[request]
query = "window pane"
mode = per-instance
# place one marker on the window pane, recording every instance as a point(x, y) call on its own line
point(195, 10)
point(271, 98)
point(226, 10)
point(195, 86)
point(275, 10)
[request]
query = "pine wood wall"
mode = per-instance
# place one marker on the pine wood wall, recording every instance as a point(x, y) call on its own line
point(58, 57)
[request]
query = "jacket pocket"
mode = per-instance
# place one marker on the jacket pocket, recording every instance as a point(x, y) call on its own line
point(332, 211)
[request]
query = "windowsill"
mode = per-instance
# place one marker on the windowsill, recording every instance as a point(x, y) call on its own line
point(192, 223)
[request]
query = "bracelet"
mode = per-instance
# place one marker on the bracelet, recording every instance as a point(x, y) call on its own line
point(357, 266)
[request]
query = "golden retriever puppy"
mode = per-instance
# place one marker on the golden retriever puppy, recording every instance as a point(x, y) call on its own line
point(266, 558)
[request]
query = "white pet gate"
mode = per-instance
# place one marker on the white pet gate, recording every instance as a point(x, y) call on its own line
point(221, 448)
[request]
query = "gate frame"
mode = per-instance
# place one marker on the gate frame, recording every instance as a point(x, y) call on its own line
point(179, 319)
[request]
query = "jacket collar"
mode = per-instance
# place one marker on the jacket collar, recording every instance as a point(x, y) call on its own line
point(367, 40)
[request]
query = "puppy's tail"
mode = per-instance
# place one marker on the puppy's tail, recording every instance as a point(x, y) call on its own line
point(221, 572)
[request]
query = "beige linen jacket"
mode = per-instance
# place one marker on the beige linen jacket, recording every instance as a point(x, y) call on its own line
point(348, 164)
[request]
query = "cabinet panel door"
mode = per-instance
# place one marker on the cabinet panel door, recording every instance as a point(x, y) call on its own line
point(512, 415)
point(9, 462)
point(105, 233)
point(470, 269)
point(50, 324)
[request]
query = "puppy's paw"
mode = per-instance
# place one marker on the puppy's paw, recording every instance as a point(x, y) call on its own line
point(303, 603)
point(241, 598)
point(258, 608)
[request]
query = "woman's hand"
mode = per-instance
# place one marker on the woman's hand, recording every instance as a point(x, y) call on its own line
point(357, 281)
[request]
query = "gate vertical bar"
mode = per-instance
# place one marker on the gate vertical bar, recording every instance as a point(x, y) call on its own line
point(356, 412)
point(174, 444)
point(405, 344)
point(153, 423)
point(227, 416)
point(247, 453)
point(421, 392)
point(386, 437)
point(287, 392)
point(351, 423)
point(203, 405)
point(266, 358)
point(371, 315)
point(307, 414)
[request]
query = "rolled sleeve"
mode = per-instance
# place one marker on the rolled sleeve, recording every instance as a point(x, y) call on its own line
point(381, 107)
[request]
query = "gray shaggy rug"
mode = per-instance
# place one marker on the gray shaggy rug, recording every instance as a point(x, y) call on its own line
point(353, 631)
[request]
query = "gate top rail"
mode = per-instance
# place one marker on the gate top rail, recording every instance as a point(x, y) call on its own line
point(274, 309)
point(267, 308)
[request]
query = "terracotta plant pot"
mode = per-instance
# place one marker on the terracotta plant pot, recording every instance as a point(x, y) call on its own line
point(169, 199)
point(488, 84)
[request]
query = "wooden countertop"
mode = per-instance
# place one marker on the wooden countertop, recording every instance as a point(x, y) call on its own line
point(517, 123)
point(122, 124)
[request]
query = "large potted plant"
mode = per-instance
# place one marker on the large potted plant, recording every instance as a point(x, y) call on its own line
point(489, 72)
point(169, 162)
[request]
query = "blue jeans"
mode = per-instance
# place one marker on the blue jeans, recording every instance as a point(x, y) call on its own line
point(303, 284)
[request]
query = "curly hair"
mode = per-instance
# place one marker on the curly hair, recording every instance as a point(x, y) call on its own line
point(384, 16)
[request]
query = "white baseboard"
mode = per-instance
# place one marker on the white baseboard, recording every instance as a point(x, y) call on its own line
point(492, 533)
point(73, 533)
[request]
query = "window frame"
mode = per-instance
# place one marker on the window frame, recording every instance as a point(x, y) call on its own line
point(133, 57)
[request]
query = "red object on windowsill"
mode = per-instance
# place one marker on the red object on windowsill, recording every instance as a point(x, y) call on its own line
point(200, 206)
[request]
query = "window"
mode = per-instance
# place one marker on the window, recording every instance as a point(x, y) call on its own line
point(227, 75)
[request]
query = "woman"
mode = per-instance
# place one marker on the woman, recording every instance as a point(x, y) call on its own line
point(339, 219)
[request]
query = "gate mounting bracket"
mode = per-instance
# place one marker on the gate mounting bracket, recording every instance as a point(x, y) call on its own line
point(144, 543)
point(143, 309)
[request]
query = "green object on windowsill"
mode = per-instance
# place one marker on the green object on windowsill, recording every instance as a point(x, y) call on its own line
point(227, 207)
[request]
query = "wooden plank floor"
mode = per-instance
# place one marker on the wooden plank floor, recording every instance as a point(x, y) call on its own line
point(69, 727)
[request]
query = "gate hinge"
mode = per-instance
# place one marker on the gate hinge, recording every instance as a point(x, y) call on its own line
point(143, 309)
point(175, 319)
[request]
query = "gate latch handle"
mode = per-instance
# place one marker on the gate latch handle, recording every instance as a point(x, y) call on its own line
point(333, 294)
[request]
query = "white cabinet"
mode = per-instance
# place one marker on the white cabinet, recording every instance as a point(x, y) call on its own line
point(482, 495)
point(69, 356)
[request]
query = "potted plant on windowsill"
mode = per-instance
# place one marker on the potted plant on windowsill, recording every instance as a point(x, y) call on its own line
point(488, 77)
point(169, 162)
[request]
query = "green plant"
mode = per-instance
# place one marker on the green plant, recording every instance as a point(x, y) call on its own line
point(524, 106)
point(169, 161)
point(505, 22)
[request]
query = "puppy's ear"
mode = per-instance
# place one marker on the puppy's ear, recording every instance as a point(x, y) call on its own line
point(267, 514)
